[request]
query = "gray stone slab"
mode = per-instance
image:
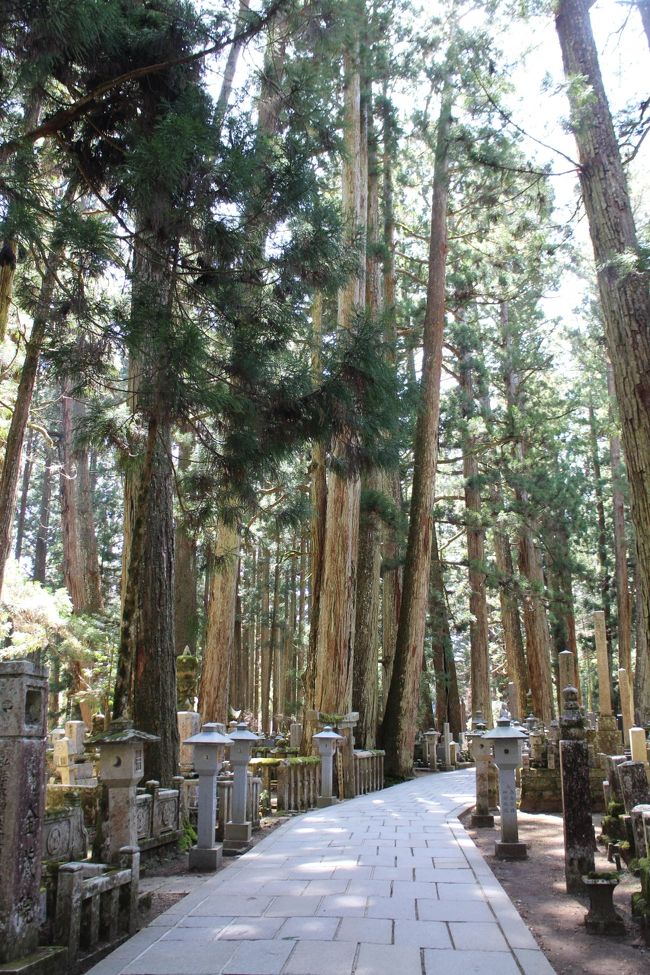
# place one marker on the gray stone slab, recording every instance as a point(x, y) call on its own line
point(175, 959)
point(393, 908)
point(251, 929)
point(534, 962)
point(309, 928)
point(366, 930)
point(343, 905)
point(239, 905)
point(302, 906)
point(422, 934)
point(450, 910)
point(259, 958)
point(321, 958)
point(470, 934)
point(469, 963)
point(387, 960)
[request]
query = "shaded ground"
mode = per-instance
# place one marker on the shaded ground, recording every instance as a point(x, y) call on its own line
point(537, 888)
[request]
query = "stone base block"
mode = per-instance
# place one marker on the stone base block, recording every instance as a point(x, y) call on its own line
point(45, 961)
point(481, 820)
point(613, 925)
point(236, 838)
point(323, 801)
point(203, 860)
point(510, 851)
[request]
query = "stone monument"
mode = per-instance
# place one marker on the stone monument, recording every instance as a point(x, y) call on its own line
point(579, 839)
point(609, 739)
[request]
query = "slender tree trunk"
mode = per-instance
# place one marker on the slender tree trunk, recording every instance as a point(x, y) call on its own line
point(513, 642)
point(231, 66)
point(624, 609)
point(366, 648)
point(20, 416)
point(475, 532)
point(42, 535)
point(444, 665)
point(642, 672)
point(276, 642)
point(72, 566)
point(398, 730)
point(622, 280)
point(28, 464)
point(644, 10)
point(87, 537)
point(185, 573)
point(605, 578)
point(265, 640)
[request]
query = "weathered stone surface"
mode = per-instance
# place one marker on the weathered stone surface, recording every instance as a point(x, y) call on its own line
point(23, 729)
point(579, 839)
point(640, 815)
point(541, 790)
point(633, 784)
point(612, 761)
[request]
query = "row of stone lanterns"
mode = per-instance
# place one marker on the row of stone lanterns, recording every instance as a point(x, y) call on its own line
point(209, 751)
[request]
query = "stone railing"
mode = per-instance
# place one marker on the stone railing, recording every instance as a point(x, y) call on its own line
point(368, 771)
point(64, 835)
point(96, 907)
point(298, 785)
point(159, 815)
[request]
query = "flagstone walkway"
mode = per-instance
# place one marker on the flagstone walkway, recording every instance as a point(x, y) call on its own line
point(386, 884)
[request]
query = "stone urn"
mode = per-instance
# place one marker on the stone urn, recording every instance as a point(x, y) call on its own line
point(602, 917)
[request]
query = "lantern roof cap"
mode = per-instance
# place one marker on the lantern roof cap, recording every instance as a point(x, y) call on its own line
point(504, 729)
point(327, 734)
point(121, 730)
point(242, 733)
point(209, 735)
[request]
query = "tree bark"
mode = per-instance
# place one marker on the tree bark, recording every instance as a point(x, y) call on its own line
point(603, 560)
point(623, 284)
point(513, 642)
point(398, 731)
point(185, 573)
point(28, 464)
point(42, 535)
point(475, 533)
point(265, 640)
point(72, 564)
point(444, 664)
point(624, 610)
point(220, 629)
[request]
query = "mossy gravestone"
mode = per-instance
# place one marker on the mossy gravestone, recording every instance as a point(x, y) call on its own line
point(579, 839)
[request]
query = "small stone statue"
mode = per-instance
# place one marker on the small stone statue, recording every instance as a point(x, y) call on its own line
point(572, 726)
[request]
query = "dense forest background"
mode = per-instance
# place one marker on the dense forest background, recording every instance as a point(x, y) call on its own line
point(308, 369)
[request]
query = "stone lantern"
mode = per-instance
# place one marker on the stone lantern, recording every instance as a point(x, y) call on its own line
point(431, 744)
point(237, 832)
point(121, 767)
point(209, 747)
point(481, 752)
point(507, 743)
point(326, 741)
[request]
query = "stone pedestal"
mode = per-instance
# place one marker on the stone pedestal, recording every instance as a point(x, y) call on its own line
point(23, 731)
point(431, 744)
point(609, 737)
point(189, 723)
point(482, 755)
point(238, 830)
point(326, 742)
point(507, 743)
point(602, 917)
point(295, 734)
point(209, 745)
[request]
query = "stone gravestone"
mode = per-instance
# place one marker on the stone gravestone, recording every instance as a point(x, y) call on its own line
point(579, 839)
point(609, 739)
point(23, 730)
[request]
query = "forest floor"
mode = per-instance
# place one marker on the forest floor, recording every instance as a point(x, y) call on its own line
point(536, 887)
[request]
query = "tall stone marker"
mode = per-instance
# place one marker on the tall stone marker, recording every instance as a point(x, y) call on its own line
point(609, 738)
point(579, 839)
point(23, 730)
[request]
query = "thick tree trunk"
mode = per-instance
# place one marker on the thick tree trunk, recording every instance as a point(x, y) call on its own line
point(220, 629)
point(398, 731)
point(624, 609)
point(336, 609)
point(277, 656)
point(642, 672)
point(444, 665)
point(366, 646)
point(42, 534)
point(622, 280)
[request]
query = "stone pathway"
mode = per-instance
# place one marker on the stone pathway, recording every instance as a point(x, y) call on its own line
point(387, 884)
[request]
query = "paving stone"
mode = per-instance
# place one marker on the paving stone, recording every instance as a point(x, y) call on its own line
point(460, 892)
point(469, 934)
point(165, 959)
point(414, 889)
point(534, 962)
point(422, 934)
point(321, 958)
point(469, 963)
point(301, 906)
point(343, 905)
point(259, 958)
point(368, 930)
point(387, 960)
point(516, 932)
point(239, 905)
point(251, 929)
point(392, 907)
point(449, 910)
point(310, 928)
